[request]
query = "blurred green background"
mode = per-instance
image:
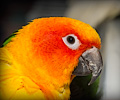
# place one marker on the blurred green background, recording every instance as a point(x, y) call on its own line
point(103, 15)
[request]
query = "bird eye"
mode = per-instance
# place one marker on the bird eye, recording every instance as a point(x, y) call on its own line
point(71, 41)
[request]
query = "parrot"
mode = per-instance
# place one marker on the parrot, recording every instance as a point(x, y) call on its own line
point(42, 60)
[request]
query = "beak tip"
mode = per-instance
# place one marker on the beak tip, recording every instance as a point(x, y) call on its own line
point(89, 84)
point(94, 77)
point(92, 81)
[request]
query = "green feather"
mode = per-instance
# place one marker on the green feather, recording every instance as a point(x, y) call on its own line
point(7, 40)
point(80, 90)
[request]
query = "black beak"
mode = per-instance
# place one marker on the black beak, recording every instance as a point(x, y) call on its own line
point(90, 62)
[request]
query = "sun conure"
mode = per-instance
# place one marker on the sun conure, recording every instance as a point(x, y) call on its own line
point(39, 61)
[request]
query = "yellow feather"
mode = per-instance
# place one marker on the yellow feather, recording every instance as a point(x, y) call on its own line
point(13, 85)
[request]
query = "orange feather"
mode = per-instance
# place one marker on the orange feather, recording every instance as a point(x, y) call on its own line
point(40, 54)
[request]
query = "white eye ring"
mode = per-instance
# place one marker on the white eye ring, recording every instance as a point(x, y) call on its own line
point(71, 41)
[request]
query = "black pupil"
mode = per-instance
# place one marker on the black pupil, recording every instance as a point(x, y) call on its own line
point(71, 39)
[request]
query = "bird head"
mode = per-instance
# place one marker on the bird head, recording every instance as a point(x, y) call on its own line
point(53, 50)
